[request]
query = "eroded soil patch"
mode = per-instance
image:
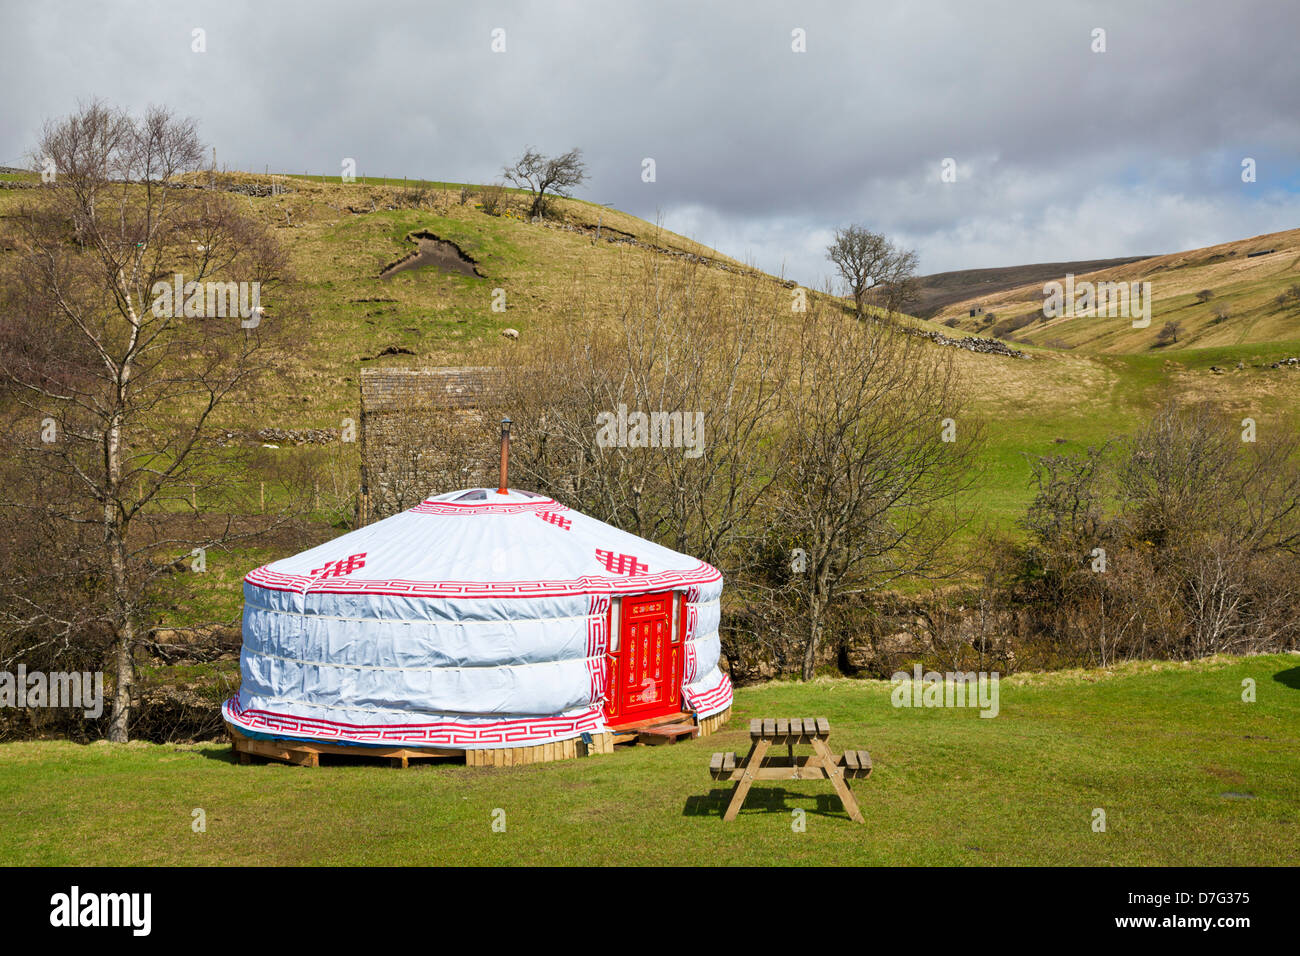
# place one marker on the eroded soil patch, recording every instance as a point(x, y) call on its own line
point(432, 251)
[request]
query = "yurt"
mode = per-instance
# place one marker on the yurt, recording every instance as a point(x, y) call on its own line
point(479, 620)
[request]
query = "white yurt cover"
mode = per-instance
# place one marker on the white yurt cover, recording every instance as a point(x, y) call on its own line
point(473, 620)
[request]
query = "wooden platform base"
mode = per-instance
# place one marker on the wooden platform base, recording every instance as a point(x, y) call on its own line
point(307, 753)
point(657, 734)
point(540, 753)
point(711, 725)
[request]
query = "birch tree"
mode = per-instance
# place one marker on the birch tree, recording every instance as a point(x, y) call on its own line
point(115, 359)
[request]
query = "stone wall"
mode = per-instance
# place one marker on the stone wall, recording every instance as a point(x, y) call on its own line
point(424, 431)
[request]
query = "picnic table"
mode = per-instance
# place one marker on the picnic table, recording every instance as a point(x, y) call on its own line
point(792, 732)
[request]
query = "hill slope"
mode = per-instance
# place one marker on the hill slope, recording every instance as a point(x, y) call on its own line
point(342, 237)
point(1245, 279)
point(942, 289)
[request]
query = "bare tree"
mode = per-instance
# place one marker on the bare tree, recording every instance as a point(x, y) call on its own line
point(1199, 550)
point(539, 174)
point(659, 421)
point(118, 345)
point(1065, 520)
point(873, 462)
point(867, 261)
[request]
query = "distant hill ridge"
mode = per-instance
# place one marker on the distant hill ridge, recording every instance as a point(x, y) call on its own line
point(942, 289)
point(1236, 293)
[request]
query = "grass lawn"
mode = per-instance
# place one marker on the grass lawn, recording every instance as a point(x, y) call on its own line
point(1186, 772)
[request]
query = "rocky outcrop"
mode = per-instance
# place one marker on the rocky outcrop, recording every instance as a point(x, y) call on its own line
point(279, 436)
point(972, 344)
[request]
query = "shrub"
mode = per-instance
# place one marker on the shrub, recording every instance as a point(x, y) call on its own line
point(1169, 334)
point(1013, 324)
point(494, 199)
point(1205, 295)
point(1197, 533)
point(414, 198)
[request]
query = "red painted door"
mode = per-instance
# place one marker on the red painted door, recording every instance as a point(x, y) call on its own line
point(645, 673)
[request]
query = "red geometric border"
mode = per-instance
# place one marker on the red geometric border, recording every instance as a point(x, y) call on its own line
point(598, 646)
point(486, 508)
point(691, 599)
point(702, 573)
point(441, 733)
point(710, 699)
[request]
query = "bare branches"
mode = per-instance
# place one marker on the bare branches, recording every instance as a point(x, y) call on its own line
point(558, 175)
point(133, 311)
point(873, 267)
point(1181, 542)
point(822, 434)
point(870, 482)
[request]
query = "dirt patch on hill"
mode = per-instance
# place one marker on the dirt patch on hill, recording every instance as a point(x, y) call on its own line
point(433, 251)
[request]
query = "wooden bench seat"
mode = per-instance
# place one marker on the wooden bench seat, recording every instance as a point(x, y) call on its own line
point(722, 765)
point(856, 763)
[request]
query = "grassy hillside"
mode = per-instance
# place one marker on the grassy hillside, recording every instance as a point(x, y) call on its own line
point(340, 237)
point(1243, 277)
point(949, 787)
point(942, 289)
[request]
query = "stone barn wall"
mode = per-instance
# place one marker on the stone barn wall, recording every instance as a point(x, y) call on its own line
point(424, 431)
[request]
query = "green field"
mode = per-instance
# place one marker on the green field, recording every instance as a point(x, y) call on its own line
point(1186, 772)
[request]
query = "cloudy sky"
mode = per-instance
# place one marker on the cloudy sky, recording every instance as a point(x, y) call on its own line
point(1060, 152)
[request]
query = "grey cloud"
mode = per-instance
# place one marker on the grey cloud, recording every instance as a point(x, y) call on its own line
point(1064, 153)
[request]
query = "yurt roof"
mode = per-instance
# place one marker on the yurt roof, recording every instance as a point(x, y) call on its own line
point(477, 542)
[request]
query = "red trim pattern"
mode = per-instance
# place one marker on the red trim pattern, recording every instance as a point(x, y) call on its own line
point(692, 598)
point(711, 700)
point(621, 563)
point(485, 508)
point(447, 732)
point(702, 573)
point(557, 519)
point(598, 647)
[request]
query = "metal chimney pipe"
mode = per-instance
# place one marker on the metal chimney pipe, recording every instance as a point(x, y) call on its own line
point(505, 456)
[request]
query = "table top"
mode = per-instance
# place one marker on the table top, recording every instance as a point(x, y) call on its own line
point(789, 729)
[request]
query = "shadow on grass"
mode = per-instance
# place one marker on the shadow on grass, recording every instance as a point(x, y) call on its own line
point(220, 754)
point(764, 800)
point(1289, 678)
